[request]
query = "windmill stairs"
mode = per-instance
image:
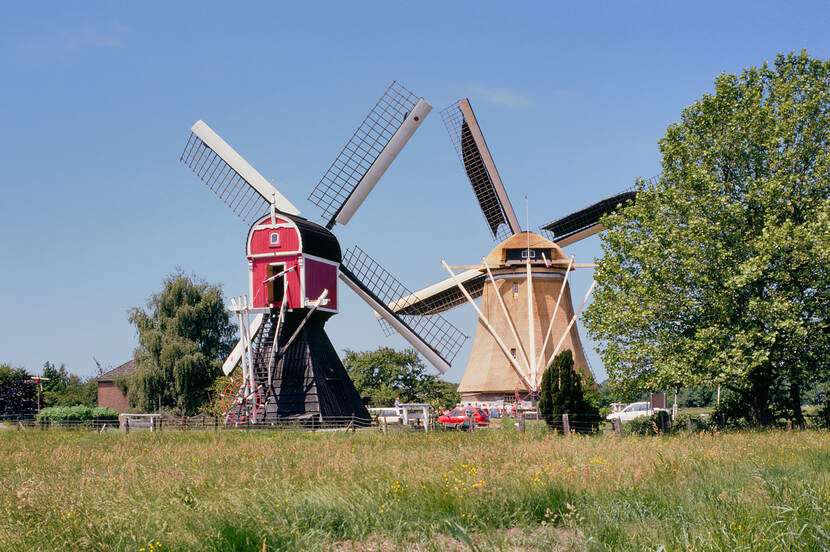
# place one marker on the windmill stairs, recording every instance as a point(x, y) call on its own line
point(308, 382)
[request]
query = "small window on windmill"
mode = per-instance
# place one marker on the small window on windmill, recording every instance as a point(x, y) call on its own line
point(515, 290)
point(528, 253)
point(275, 239)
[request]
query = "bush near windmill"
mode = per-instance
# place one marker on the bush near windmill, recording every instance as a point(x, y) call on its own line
point(719, 274)
point(561, 393)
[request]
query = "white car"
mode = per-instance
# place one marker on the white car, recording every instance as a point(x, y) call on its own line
point(388, 415)
point(634, 410)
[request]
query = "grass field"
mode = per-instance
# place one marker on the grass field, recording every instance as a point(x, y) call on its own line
point(493, 490)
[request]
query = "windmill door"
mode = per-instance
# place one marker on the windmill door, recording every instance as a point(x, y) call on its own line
point(276, 287)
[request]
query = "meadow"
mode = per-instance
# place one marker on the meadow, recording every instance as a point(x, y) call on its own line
point(491, 490)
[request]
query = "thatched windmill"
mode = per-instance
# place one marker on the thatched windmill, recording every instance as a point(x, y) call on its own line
point(526, 315)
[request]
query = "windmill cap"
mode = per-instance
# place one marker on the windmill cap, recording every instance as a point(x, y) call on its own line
point(520, 241)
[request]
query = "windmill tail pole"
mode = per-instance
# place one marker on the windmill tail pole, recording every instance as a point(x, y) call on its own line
point(489, 327)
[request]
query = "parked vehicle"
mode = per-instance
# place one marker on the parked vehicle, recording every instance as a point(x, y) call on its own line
point(386, 415)
point(460, 417)
point(634, 410)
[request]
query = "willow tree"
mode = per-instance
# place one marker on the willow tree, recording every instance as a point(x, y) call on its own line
point(720, 273)
point(184, 336)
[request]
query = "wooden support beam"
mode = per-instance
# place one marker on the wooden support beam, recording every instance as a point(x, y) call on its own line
point(540, 368)
point(519, 345)
point(489, 327)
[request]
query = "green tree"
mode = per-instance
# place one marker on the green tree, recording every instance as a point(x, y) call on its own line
point(385, 374)
point(18, 395)
point(562, 393)
point(720, 273)
point(184, 336)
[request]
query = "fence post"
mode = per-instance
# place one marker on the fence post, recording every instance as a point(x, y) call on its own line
point(472, 421)
point(426, 419)
point(127, 424)
point(566, 424)
point(617, 425)
point(520, 421)
point(383, 424)
point(184, 422)
point(216, 423)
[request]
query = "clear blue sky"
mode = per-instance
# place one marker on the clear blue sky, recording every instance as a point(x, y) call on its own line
point(98, 98)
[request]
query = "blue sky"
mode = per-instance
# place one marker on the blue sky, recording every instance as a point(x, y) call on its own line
point(98, 98)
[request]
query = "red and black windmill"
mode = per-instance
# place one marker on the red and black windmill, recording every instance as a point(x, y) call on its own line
point(290, 368)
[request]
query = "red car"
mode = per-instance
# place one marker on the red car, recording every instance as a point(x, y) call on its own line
point(460, 417)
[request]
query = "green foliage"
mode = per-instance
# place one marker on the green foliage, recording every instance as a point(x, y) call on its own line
point(65, 389)
point(597, 395)
point(184, 336)
point(386, 374)
point(647, 425)
point(720, 273)
point(561, 393)
point(696, 396)
point(18, 396)
point(76, 413)
point(215, 405)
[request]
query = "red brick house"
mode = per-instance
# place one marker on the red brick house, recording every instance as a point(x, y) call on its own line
point(110, 395)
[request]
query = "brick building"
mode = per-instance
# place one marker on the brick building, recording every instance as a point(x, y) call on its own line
point(110, 395)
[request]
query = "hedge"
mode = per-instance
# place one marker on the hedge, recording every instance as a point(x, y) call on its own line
point(76, 413)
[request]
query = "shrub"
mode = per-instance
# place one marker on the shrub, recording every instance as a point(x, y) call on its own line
point(648, 425)
point(562, 393)
point(75, 413)
point(691, 422)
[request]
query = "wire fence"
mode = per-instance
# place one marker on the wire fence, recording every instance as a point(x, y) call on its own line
point(526, 420)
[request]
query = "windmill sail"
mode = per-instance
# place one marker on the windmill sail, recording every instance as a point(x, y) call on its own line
point(472, 150)
point(230, 177)
point(440, 296)
point(433, 336)
point(585, 222)
point(369, 152)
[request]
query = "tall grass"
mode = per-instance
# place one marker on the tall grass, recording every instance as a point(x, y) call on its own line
point(447, 490)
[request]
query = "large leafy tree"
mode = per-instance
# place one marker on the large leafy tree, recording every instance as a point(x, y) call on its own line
point(184, 335)
point(385, 374)
point(720, 273)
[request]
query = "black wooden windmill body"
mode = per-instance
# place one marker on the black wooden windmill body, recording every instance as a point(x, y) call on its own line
point(290, 368)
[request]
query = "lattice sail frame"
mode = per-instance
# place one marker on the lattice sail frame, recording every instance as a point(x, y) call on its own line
point(362, 149)
point(434, 330)
point(481, 181)
point(223, 180)
point(588, 217)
